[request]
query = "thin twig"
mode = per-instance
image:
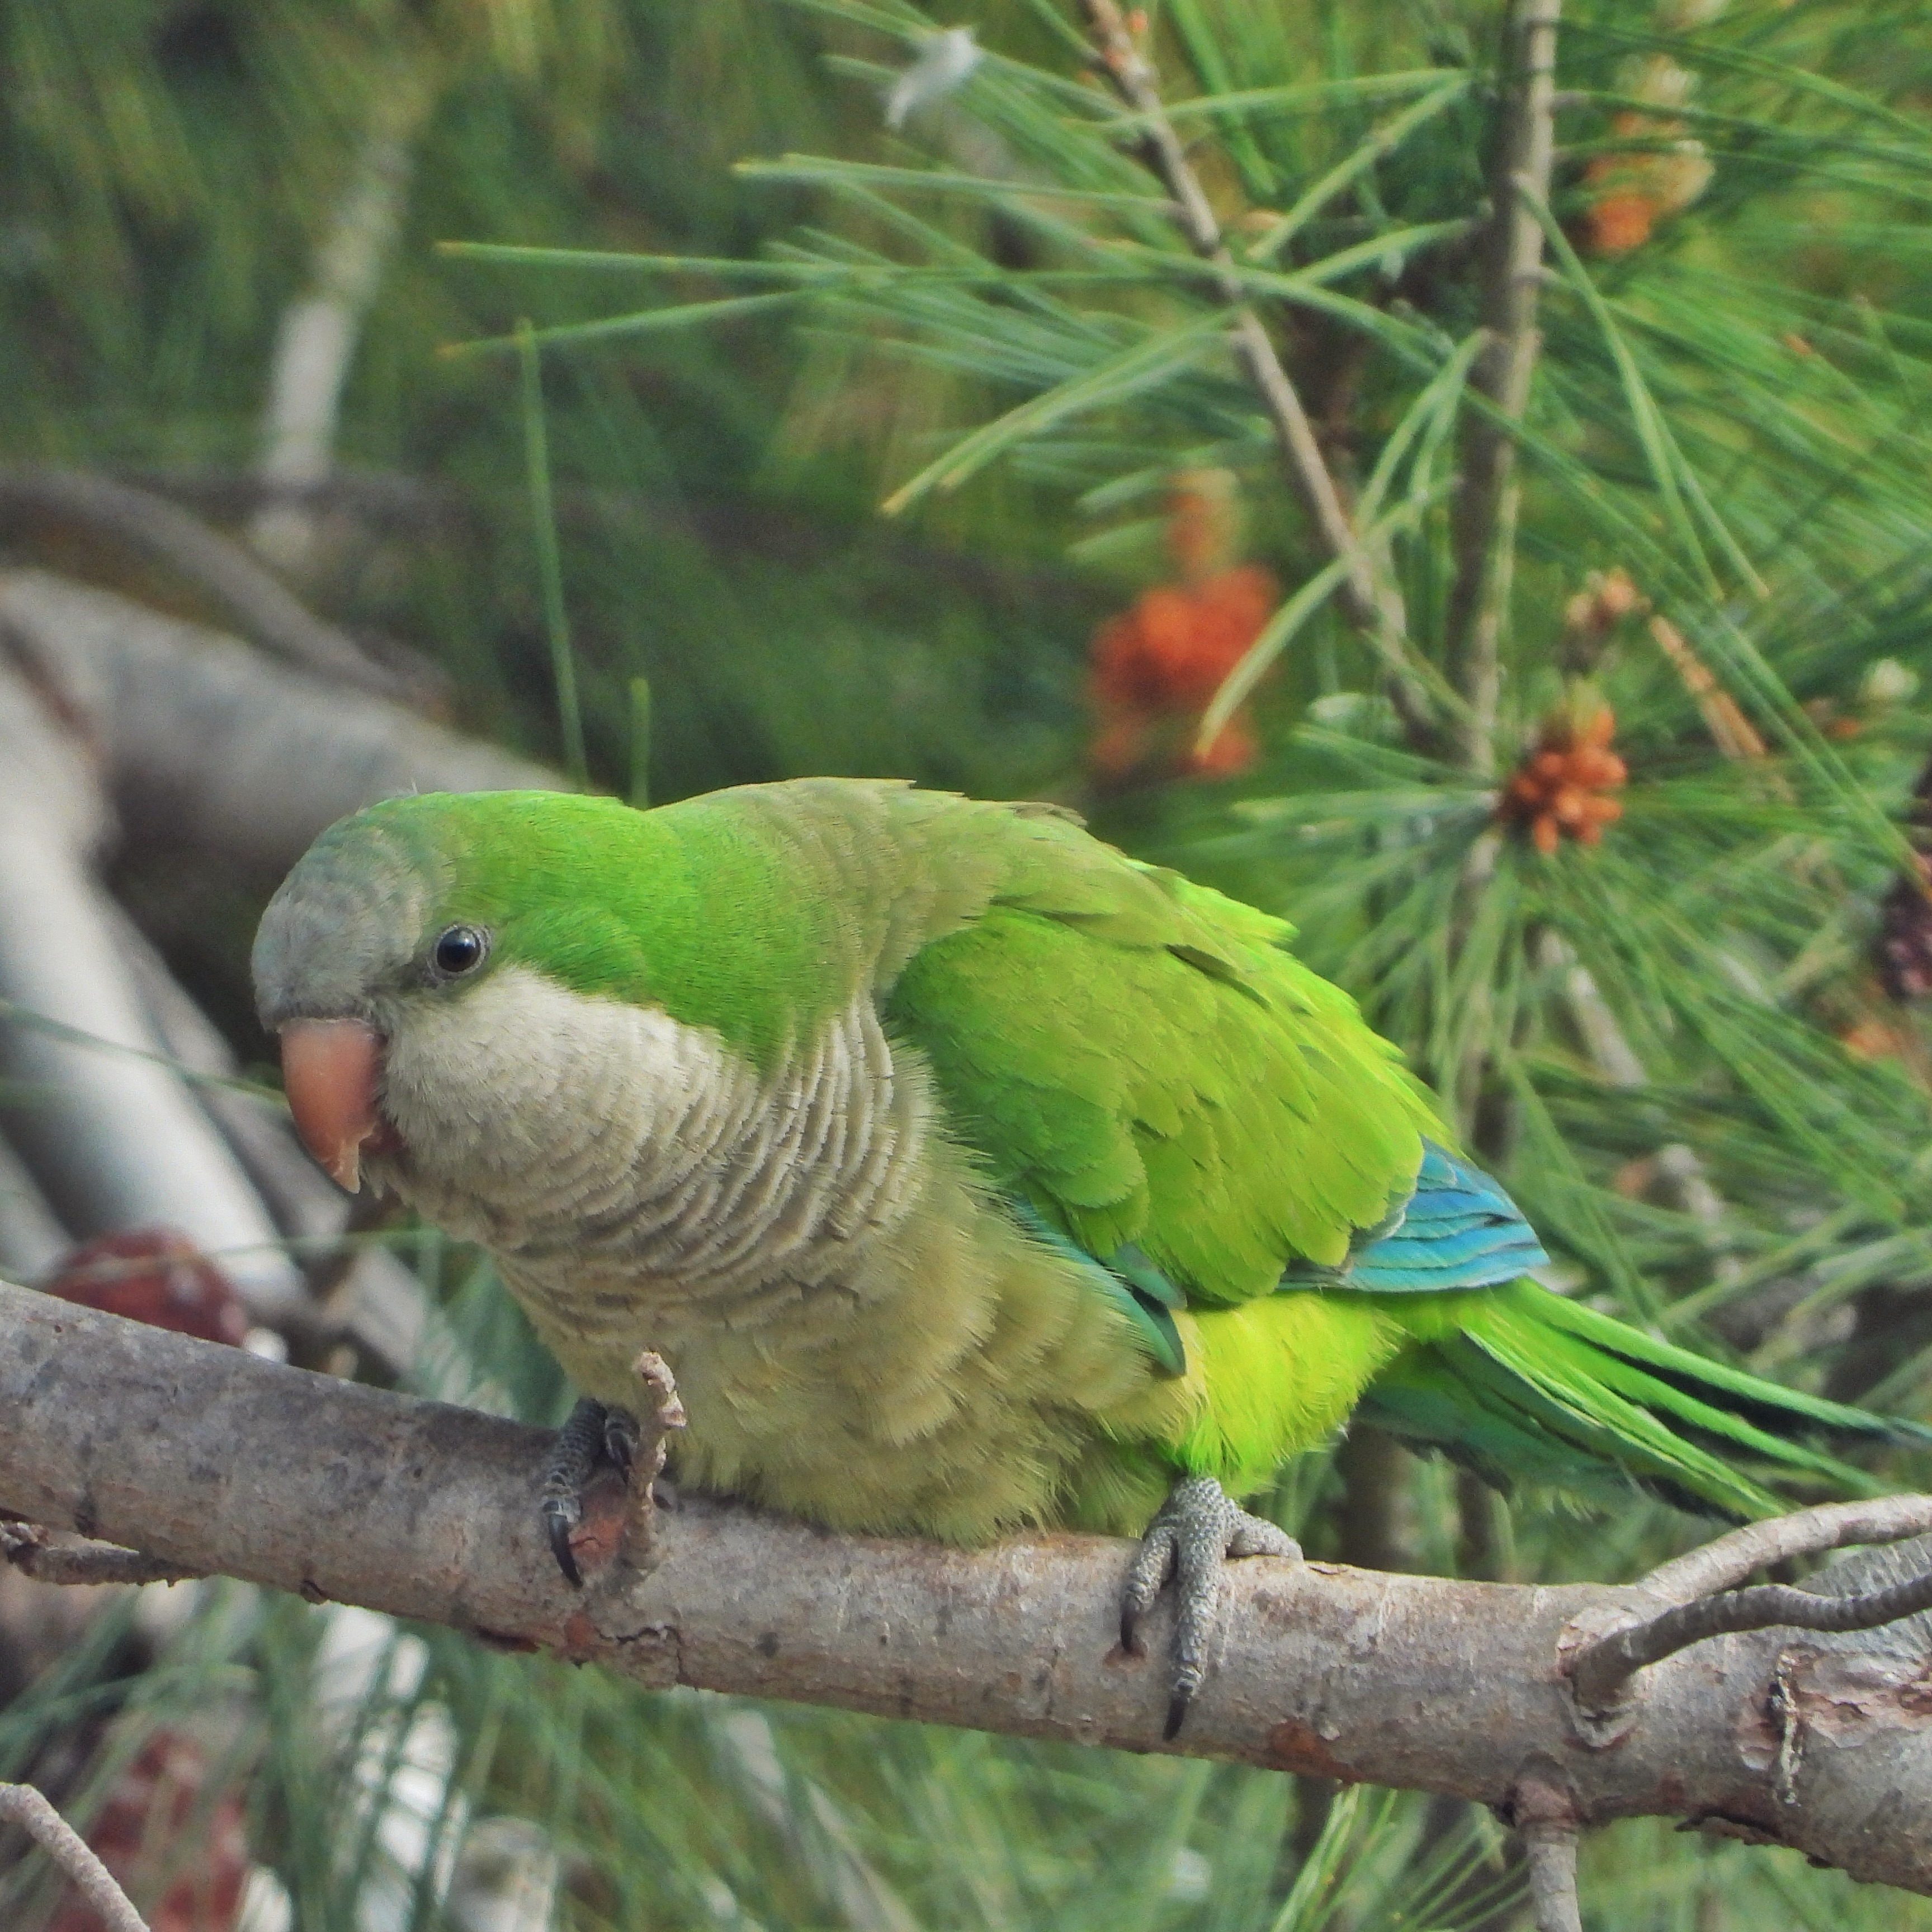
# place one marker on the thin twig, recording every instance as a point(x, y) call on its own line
point(1542, 1807)
point(1552, 1877)
point(1373, 602)
point(1734, 734)
point(25, 1547)
point(1692, 1581)
point(21, 1804)
point(1602, 1670)
point(1722, 1564)
point(1486, 507)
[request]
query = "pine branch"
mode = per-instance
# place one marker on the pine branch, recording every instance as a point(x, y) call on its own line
point(1372, 600)
point(1489, 495)
point(214, 1459)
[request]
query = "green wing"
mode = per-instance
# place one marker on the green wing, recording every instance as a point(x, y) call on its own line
point(1144, 1061)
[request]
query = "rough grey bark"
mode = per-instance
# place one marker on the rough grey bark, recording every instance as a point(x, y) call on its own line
point(216, 1460)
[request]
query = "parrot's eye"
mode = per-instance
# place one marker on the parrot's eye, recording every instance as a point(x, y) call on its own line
point(461, 949)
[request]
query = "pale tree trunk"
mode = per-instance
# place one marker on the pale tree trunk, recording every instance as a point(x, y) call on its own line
point(315, 346)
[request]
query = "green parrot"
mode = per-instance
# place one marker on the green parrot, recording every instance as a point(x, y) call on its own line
point(969, 1175)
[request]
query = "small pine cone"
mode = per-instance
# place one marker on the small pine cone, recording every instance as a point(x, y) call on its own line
point(1566, 807)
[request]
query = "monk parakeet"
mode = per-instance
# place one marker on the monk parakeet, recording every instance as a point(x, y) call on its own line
point(968, 1175)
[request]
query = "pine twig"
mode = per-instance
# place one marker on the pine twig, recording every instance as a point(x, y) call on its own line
point(21, 1804)
point(1373, 602)
point(1733, 734)
point(1542, 1808)
point(1726, 1563)
point(1700, 1587)
point(1490, 494)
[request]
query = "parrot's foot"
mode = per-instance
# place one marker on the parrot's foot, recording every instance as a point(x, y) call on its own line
point(595, 1435)
point(1197, 1529)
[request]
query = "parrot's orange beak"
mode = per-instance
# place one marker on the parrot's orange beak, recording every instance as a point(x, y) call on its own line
point(330, 1070)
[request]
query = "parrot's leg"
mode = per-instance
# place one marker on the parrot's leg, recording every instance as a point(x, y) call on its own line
point(594, 1435)
point(598, 1434)
point(1197, 1530)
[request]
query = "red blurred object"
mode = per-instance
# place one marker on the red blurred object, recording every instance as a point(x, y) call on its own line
point(1558, 788)
point(1156, 666)
point(158, 1806)
point(1660, 175)
point(156, 1276)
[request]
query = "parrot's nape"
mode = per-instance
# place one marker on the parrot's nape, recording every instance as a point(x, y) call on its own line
point(968, 1175)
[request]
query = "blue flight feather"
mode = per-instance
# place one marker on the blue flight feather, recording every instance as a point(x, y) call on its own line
point(1459, 1229)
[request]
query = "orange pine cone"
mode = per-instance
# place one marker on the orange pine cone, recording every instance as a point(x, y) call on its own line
point(1558, 787)
point(1620, 222)
point(1593, 766)
point(1156, 666)
point(1567, 806)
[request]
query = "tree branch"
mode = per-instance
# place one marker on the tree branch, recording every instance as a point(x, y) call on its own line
point(1602, 1671)
point(1552, 1877)
point(227, 751)
point(249, 597)
point(214, 1459)
point(21, 1804)
point(27, 1548)
point(1372, 598)
point(1487, 503)
point(1722, 1564)
point(1692, 1585)
point(316, 345)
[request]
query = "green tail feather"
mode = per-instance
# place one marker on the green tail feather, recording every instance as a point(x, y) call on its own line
point(1536, 1388)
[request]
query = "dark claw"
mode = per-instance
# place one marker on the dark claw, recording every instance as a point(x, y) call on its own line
point(622, 1435)
point(584, 1441)
point(1197, 1530)
point(560, 1518)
